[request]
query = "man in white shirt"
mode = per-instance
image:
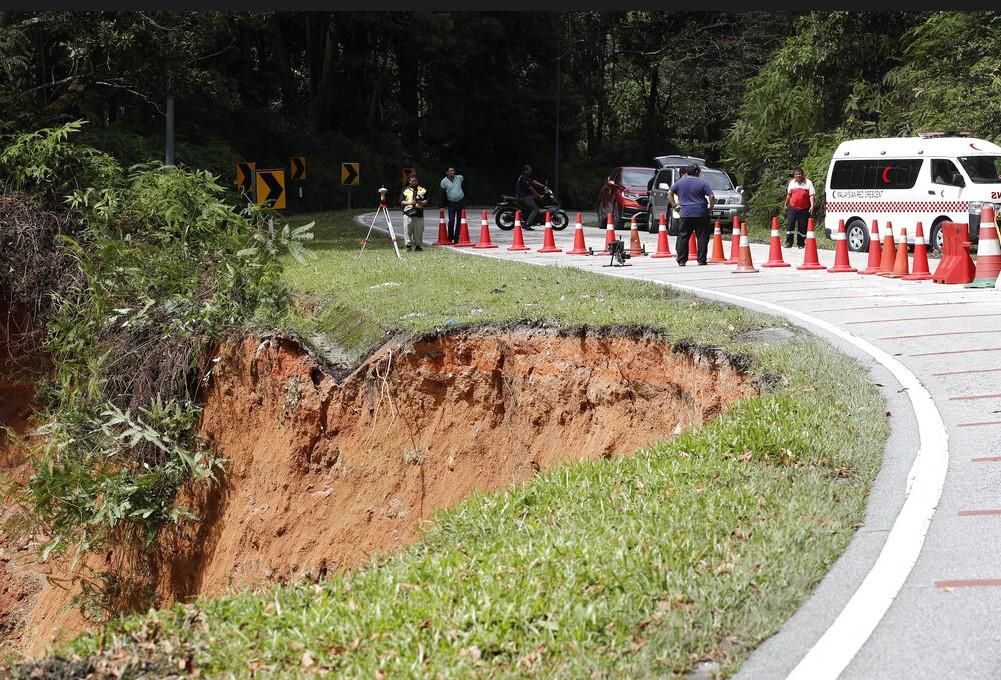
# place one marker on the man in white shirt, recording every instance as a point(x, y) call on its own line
point(800, 196)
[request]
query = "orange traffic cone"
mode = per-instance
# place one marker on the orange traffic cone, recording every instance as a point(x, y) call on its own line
point(693, 246)
point(734, 243)
point(518, 243)
point(988, 251)
point(442, 230)
point(548, 242)
point(485, 234)
point(775, 248)
point(875, 255)
point(635, 246)
point(841, 262)
point(887, 255)
point(609, 235)
point(578, 240)
point(744, 264)
point(663, 247)
point(463, 232)
point(919, 271)
point(900, 262)
point(810, 260)
point(718, 257)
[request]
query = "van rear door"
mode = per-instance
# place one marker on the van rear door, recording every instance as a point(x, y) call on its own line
point(658, 199)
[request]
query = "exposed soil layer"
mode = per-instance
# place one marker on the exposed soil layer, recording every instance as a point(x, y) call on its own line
point(325, 472)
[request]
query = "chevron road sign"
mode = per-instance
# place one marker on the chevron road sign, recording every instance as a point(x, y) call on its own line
point(298, 168)
point(245, 176)
point(350, 173)
point(271, 188)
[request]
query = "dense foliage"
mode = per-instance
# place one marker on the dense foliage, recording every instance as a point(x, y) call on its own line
point(161, 269)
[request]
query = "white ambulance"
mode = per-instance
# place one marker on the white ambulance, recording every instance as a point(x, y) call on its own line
point(933, 178)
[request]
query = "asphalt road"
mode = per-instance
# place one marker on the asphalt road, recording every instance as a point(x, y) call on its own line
point(917, 594)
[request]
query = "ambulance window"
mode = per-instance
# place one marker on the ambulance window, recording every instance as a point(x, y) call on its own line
point(983, 169)
point(942, 171)
point(895, 173)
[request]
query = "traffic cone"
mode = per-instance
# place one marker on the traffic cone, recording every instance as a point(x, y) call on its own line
point(718, 257)
point(548, 242)
point(875, 255)
point(919, 271)
point(900, 262)
point(988, 251)
point(463, 232)
point(609, 235)
point(578, 240)
point(734, 242)
point(518, 243)
point(810, 260)
point(887, 255)
point(635, 246)
point(693, 246)
point(775, 248)
point(744, 264)
point(442, 230)
point(841, 262)
point(663, 247)
point(485, 234)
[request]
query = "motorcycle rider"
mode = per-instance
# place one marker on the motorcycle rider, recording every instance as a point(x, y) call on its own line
point(528, 196)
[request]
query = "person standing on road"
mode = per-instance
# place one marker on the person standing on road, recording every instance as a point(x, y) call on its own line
point(452, 184)
point(694, 200)
point(526, 190)
point(800, 196)
point(413, 198)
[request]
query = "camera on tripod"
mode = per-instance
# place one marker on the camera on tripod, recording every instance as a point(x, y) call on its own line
point(617, 249)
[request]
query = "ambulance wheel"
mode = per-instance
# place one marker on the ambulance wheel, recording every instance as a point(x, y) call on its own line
point(935, 236)
point(857, 235)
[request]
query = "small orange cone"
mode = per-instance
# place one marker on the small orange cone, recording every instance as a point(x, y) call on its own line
point(548, 242)
point(888, 252)
point(900, 262)
point(775, 248)
point(485, 233)
point(463, 232)
point(875, 254)
point(578, 240)
point(744, 264)
point(810, 260)
point(442, 230)
point(718, 256)
point(609, 235)
point(734, 243)
point(663, 247)
point(693, 246)
point(919, 271)
point(841, 262)
point(988, 251)
point(518, 243)
point(635, 246)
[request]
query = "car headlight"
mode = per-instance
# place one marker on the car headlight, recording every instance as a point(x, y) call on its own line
point(630, 196)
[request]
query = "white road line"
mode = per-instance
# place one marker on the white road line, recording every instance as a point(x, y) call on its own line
point(839, 644)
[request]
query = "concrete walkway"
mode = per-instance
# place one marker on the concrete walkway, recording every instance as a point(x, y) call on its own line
point(917, 594)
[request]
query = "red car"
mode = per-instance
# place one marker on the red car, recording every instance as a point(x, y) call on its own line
point(624, 194)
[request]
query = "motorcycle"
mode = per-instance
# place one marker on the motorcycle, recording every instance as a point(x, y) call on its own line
point(508, 205)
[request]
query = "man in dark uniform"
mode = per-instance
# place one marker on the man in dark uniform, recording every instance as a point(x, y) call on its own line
point(528, 195)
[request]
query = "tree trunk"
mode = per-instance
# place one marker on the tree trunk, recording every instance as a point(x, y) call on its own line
point(321, 103)
point(289, 91)
point(6, 18)
point(408, 72)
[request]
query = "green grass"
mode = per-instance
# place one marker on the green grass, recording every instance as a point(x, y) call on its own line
point(634, 567)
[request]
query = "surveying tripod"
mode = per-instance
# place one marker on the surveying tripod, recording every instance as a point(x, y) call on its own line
point(384, 211)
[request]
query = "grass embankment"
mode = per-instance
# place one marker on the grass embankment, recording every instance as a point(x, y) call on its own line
point(635, 567)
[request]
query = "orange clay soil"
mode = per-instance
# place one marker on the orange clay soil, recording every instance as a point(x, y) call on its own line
point(325, 473)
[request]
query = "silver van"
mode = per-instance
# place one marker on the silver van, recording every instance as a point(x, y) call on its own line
point(729, 198)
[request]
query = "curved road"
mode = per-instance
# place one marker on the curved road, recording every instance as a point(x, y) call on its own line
point(918, 591)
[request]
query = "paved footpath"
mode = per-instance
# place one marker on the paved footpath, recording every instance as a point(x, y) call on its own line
point(917, 594)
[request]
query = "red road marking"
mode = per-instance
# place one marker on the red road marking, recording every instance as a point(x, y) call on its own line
point(984, 422)
point(919, 318)
point(968, 583)
point(978, 513)
point(935, 335)
point(975, 396)
point(982, 370)
point(956, 351)
point(986, 459)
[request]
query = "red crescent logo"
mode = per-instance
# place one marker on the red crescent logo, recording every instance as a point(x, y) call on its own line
point(886, 170)
point(974, 147)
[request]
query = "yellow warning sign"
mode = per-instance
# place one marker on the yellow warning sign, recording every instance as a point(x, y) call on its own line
point(350, 173)
point(245, 176)
point(271, 188)
point(298, 168)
